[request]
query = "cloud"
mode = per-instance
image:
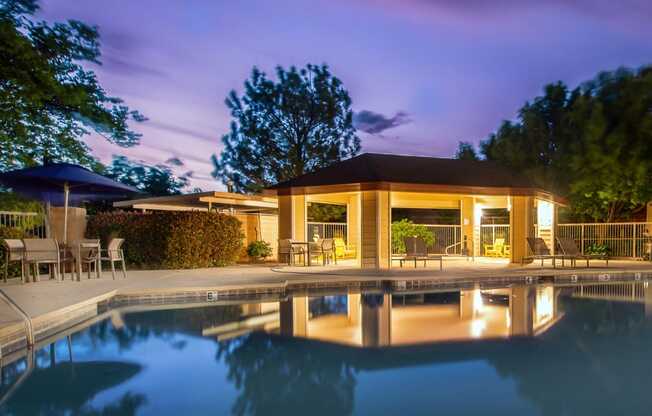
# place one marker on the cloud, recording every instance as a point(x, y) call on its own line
point(183, 131)
point(174, 161)
point(375, 123)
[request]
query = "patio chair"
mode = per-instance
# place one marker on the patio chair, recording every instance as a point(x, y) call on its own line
point(113, 254)
point(42, 251)
point(286, 249)
point(342, 250)
point(416, 250)
point(324, 249)
point(496, 249)
point(86, 251)
point(14, 251)
point(570, 251)
point(540, 251)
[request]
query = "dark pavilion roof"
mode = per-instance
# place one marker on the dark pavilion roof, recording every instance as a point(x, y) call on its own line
point(374, 167)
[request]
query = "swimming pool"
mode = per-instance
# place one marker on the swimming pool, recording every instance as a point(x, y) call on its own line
point(517, 349)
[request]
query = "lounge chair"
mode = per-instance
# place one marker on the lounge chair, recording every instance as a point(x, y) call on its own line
point(540, 251)
point(570, 251)
point(497, 249)
point(287, 249)
point(416, 250)
point(42, 251)
point(342, 250)
point(113, 254)
point(14, 251)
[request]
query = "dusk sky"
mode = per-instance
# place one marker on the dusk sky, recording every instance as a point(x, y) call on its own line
point(425, 74)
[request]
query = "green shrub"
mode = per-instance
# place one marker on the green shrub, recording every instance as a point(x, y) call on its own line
point(406, 228)
point(14, 267)
point(259, 249)
point(597, 249)
point(174, 240)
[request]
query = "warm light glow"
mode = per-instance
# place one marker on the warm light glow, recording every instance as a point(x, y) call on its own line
point(545, 213)
point(477, 327)
point(544, 305)
point(508, 318)
point(477, 214)
point(478, 304)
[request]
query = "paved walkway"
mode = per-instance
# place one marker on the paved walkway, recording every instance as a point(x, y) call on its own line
point(40, 298)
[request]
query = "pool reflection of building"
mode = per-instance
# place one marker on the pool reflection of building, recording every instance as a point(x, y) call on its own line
point(384, 319)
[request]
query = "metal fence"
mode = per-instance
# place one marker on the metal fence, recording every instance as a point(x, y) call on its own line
point(489, 233)
point(327, 230)
point(32, 224)
point(448, 238)
point(626, 240)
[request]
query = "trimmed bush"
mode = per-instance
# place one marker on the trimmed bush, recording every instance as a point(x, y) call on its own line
point(259, 250)
point(171, 240)
point(406, 228)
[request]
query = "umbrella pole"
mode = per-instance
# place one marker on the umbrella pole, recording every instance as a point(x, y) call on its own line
point(66, 193)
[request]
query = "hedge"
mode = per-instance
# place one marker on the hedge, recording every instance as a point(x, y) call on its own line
point(171, 240)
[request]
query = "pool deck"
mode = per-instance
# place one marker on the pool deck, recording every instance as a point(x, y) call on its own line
point(47, 301)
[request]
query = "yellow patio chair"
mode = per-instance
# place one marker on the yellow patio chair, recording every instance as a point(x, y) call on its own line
point(496, 249)
point(341, 249)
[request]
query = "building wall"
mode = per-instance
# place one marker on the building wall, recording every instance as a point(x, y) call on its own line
point(375, 222)
point(259, 227)
point(76, 223)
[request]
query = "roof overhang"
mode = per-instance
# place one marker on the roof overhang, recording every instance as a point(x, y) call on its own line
point(203, 201)
point(413, 187)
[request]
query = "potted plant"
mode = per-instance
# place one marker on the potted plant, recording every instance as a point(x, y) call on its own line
point(259, 250)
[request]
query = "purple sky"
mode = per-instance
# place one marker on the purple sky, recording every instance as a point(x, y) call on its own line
point(427, 73)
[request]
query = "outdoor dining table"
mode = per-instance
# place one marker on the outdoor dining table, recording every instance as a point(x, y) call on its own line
point(305, 244)
point(75, 251)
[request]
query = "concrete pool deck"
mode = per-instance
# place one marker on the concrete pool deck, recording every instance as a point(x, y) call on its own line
point(48, 302)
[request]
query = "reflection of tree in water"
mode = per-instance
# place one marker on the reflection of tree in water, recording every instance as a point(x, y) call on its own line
point(162, 324)
point(277, 375)
point(595, 361)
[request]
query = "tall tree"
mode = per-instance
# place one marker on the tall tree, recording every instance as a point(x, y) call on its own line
point(48, 100)
point(157, 180)
point(284, 128)
point(466, 151)
point(592, 144)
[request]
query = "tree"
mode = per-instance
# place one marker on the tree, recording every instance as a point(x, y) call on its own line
point(158, 180)
point(285, 128)
point(48, 101)
point(592, 144)
point(466, 151)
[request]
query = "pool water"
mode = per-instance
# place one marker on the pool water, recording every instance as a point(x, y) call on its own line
point(514, 350)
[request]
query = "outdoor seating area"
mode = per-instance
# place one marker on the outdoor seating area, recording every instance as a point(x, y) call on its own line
point(62, 258)
point(416, 250)
point(324, 251)
point(567, 250)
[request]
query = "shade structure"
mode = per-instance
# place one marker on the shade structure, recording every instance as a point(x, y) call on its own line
point(65, 184)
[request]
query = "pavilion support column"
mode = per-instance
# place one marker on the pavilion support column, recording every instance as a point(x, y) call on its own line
point(467, 219)
point(521, 223)
point(293, 314)
point(353, 225)
point(284, 216)
point(292, 217)
point(375, 222)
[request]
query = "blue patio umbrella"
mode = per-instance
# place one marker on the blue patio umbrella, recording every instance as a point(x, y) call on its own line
point(64, 184)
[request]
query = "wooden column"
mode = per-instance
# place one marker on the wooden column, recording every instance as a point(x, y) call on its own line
point(466, 211)
point(521, 222)
point(375, 221)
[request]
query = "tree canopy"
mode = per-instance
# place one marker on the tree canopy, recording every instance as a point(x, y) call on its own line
point(286, 127)
point(592, 144)
point(157, 180)
point(48, 100)
point(466, 151)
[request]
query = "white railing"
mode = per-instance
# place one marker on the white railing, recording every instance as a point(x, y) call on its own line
point(327, 230)
point(626, 239)
point(448, 238)
point(490, 232)
point(33, 224)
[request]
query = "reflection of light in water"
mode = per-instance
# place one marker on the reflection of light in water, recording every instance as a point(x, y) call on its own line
point(508, 318)
point(544, 306)
point(478, 304)
point(477, 327)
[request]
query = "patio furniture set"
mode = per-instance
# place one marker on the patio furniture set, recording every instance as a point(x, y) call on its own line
point(292, 250)
point(416, 250)
point(31, 253)
point(568, 250)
